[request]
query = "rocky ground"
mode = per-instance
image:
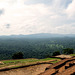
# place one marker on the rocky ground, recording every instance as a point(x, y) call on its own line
point(32, 70)
point(64, 67)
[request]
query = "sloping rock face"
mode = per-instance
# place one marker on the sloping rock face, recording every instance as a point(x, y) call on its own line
point(64, 67)
point(1, 63)
point(31, 70)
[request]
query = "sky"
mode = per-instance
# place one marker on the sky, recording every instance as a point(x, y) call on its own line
point(37, 16)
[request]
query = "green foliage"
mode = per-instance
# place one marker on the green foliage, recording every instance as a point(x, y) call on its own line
point(18, 55)
point(33, 48)
point(68, 51)
point(56, 53)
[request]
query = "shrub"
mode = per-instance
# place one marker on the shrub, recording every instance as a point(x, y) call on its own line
point(56, 53)
point(18, 55)
point(68, 51)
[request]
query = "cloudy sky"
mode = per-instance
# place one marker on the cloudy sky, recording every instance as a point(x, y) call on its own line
point(37, 16)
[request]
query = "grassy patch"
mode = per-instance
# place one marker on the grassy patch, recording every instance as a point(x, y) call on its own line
point(23, 62)
point(19, 61)
point(54, 61)
point(72, 54)
point(26, 60)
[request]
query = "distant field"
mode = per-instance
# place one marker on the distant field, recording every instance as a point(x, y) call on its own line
point(23, 62)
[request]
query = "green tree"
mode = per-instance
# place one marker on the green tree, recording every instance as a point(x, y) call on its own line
point(56, 53)
point(68, 51)
point(18, 55)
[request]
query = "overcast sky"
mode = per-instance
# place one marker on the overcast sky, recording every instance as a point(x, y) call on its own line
point(37, 16)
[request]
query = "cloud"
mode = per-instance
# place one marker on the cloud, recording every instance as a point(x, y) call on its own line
point(31, 16)
point(70, 10)
point(68, 28)
point(47, 2)
point(7, 26)
point(1, 11)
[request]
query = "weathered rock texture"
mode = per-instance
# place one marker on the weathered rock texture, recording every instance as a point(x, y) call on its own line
point(31, 70)
point(64, 67)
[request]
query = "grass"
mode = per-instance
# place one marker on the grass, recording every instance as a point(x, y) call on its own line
point(27, 60)
point(23, 62)
point(48, 59)
point(54, 61)
point(72, 54)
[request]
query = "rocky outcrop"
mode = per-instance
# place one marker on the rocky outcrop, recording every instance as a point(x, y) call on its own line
point(1, 63)
point(64, 67)
point(30, 70)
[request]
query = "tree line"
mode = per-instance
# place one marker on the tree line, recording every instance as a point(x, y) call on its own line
point(19, 55)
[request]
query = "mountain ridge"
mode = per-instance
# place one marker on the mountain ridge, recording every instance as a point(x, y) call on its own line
point(40, 35)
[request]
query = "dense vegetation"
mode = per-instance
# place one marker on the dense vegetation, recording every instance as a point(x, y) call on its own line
point(34, 48)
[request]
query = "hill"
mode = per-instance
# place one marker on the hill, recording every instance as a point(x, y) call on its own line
point(39, 35)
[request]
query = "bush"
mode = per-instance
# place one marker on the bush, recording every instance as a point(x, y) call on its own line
point(18, 55)
point(68, 51)
point(56, 53)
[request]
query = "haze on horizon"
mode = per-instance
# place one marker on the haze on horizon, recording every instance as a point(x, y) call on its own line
point(37, 16)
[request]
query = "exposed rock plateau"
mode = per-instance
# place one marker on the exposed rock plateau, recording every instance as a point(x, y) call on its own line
point(31, 70)
point(64, 67)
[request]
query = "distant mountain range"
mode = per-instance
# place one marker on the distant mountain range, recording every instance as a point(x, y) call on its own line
point(40, 35)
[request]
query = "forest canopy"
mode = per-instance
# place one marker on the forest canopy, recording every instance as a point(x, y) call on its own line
point(34, 47)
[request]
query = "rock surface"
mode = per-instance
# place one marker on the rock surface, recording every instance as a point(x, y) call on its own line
point(32, 70)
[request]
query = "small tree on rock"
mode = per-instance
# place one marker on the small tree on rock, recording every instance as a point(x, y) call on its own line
point(56, 53)
point(68, 51)
point(18, 55)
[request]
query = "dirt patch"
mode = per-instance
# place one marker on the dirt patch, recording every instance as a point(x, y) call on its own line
point(64, 56)
point(32, 70)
